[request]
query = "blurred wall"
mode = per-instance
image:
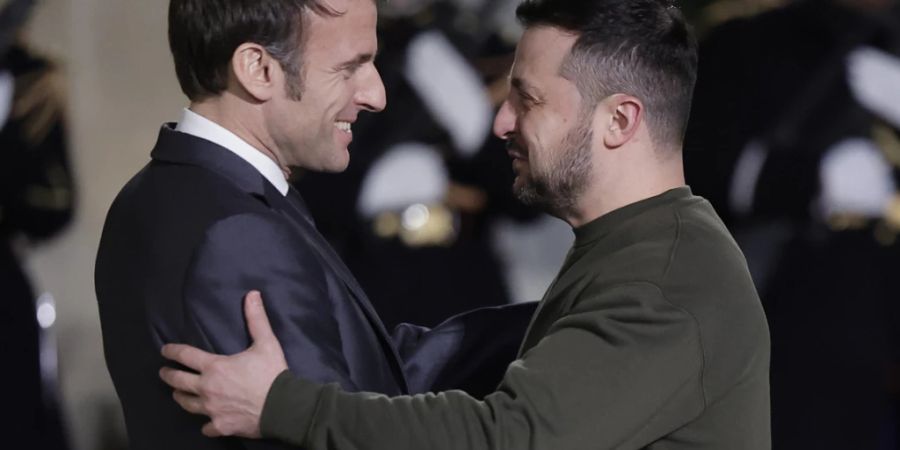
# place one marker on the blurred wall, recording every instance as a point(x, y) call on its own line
point(121, 88)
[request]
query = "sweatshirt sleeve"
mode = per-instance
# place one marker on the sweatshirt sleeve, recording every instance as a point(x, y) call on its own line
point(619, 370)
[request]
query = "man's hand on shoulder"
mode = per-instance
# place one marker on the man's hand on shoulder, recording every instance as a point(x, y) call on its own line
point(231, 390)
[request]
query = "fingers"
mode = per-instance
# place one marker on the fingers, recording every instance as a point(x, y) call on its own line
point(257, 321)
point(180, 380)
point(188, 356)
point(190, 403)
point(210, 430)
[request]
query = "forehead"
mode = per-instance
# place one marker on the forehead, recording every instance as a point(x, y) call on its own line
point(353, 30)
point(541, 52)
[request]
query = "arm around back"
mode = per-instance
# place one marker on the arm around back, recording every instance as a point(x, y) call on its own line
point(620, 370)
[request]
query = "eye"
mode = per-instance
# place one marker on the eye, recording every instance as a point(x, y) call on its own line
point(526, 101)
point(349, 71)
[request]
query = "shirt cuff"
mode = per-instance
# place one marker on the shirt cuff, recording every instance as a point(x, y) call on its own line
point(289, 409)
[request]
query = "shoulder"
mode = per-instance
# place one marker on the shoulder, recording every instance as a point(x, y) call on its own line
point(709, 278)
point(251, 229)
point(705, 253)
point(200, 209)
point(257, 250)
point(707, 272)
point(642, 297)
point(161, 189)
point(261, 241)
point(642, 253)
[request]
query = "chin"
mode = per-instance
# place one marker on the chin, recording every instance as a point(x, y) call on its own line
point(523, 177)
point(339, 164)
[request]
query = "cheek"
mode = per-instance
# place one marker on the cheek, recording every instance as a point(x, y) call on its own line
point(529, 130)
point(541, 127)
point(536, 138)
point(340, 96)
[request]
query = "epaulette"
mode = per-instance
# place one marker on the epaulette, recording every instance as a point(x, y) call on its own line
point(39, 102)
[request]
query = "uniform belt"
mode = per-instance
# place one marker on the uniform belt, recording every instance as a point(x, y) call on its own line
point(419, 225)
point(885, 229)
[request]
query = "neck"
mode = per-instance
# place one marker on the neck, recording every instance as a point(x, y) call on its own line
point(242, 120)
point(611, 191)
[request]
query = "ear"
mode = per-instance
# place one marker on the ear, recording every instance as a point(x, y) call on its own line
point(255, 71)
point(623, 116)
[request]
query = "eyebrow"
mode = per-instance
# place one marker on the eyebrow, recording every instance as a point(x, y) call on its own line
point(358, 61)
point(523, 87)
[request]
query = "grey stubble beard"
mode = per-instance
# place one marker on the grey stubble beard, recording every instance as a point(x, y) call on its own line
point(557, 192)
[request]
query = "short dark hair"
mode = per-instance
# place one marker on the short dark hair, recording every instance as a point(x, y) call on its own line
point(204, 34)
point(643, 48)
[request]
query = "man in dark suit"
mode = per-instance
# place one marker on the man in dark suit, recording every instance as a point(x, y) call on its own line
point(273, 84)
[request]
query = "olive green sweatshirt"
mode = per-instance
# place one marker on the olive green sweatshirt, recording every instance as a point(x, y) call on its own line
point(652, 336)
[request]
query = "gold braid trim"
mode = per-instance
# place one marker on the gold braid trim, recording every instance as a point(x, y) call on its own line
point(38, 103)
point(888, 141)
point(55, 195)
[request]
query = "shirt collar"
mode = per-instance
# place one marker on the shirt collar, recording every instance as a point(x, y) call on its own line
point(605, 224)
point(201, 127)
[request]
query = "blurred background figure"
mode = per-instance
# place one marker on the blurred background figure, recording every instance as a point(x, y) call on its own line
point(35, 204)
point(793, 137)
point(413, 215)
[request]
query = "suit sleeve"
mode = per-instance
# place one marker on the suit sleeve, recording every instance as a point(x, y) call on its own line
point(469, 351)
point(247, 252)
point(622, 369)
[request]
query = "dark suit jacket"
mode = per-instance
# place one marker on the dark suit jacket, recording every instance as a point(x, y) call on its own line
point(195, 230)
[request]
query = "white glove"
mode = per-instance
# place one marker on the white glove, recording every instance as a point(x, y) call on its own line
point(874, 78)
point(7, 88)
point(856, 179)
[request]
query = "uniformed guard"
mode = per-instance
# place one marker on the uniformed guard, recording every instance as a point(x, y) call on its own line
point(36, 201)
point(794, 140)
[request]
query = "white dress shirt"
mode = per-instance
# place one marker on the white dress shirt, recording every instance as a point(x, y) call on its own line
point(201, 127)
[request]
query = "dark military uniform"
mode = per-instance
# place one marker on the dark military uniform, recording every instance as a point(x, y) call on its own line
point(826, 281)
point(35, 203)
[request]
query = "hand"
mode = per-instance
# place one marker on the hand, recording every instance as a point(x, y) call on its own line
point(231, 390)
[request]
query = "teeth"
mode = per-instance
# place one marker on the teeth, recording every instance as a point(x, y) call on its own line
point(343, 126)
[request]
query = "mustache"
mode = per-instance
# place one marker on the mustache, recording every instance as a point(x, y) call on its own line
point(513, 144)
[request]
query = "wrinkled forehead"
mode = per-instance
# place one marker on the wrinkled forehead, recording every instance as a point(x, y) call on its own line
point(342, 6)
point(336, 5)
point(337, 15)
point(350, 35)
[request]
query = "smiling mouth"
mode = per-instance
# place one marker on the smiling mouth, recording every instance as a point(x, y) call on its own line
point(517, 154)
point(515, 150)
point(344, 126)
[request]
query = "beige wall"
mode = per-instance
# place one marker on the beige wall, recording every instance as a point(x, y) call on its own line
point(121, 88)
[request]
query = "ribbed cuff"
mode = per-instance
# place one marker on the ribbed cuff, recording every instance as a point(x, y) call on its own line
point(289, 409)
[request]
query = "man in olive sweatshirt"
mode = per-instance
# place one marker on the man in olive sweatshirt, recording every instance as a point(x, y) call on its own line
point(652, 335)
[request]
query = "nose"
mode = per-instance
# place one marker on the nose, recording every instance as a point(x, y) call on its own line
point(371, 95)
point(505, 121)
